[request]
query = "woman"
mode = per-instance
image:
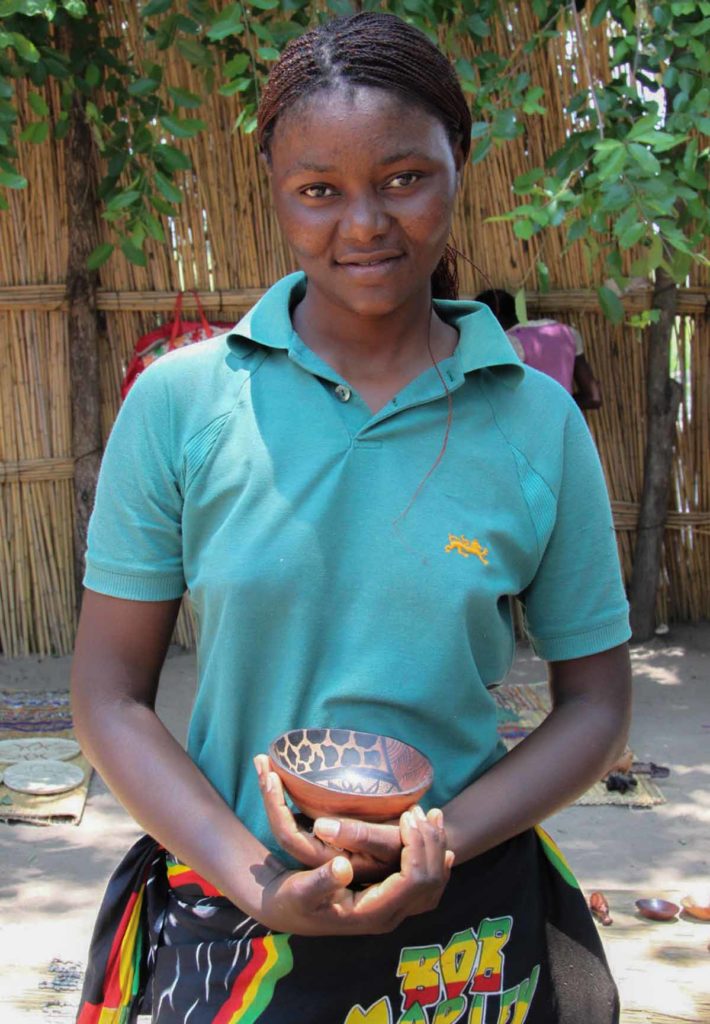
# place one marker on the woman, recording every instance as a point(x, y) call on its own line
point(351, 484)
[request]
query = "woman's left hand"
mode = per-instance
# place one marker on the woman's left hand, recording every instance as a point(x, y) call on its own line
point(373, 850)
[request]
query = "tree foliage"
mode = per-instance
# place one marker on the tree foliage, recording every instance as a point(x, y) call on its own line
point(632, 172)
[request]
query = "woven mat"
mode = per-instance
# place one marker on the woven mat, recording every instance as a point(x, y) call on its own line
point(522, 707)
point(27, 713)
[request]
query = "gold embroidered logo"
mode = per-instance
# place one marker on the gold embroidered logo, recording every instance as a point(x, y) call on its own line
point(467, 547)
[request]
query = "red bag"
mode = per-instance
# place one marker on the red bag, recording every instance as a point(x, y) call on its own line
point(175, 334)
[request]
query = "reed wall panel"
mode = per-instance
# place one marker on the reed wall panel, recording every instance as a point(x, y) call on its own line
point(226, 240)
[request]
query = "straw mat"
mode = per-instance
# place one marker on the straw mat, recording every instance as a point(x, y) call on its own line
point(523, 706)
point(27, 713)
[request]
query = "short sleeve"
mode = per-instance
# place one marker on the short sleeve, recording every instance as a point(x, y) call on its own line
point(576, 605)
point(135, 536)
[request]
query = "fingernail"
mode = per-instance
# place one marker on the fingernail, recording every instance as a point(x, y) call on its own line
point(268, 781)
point(436, 817)
point(409, 819)
point(418, 812)
point(327, 827)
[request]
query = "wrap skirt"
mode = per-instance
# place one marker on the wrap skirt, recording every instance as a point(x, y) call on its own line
point(511, 942)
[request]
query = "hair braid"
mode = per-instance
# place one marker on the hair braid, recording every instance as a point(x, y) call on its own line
point(378, 50)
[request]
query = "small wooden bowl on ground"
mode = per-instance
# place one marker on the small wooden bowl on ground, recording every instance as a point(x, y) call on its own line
point(349, 773)
point(697, 905)
point(657, 909)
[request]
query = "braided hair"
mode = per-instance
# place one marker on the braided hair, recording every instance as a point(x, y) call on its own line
point(382, 51)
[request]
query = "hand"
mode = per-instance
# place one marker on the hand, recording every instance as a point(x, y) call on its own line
point(373, 850)
point(318, 902)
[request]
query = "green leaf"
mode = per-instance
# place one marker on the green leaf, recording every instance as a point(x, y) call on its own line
point(238, 85)
point(644, 158)
point(659, 141)
point(599, 13)
point(632, 235)
point(75, 8)
point(170, 158)
point(479, 128)
point(611, 165)
point(92, 75)
point(153, 226)
point(156, 7)
point(268, 53)
point(611, 305)
point(99, 256)
point(184, 98)
point(521, 310)
point(577, 229)
point(543, 276)
point(143, 87)
point(237, 65)
point(8, 179)
point(525, 182)
point(481, 149)
point(162, 206)
point(227, 23)
point(505, 125)
point(264, 5)
point(531, 103)
point(122, 200)
point(524, 228)
point(38, 104)
point(197, 54)
point(182, 128)
point(167, 189)
point(36, 132)
point(10, 7)
point(25, 48)
point(478, 26)
point(133, 254)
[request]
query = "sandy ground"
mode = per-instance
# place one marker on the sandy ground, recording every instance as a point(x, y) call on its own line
point(51, 879)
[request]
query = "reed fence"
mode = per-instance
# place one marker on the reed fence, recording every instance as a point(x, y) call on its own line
point(226, 244)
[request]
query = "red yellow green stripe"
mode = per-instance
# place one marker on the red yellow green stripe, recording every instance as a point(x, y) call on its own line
point(121, 975)
point(556, 857)
point(181, 874)
point(271, 959)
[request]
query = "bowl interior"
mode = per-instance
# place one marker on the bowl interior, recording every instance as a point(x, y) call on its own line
point(657, 909)
point(350, 761)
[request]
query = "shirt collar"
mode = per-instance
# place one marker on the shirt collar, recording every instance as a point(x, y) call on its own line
point(482, 341)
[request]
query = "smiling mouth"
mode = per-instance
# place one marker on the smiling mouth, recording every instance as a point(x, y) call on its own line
point(377, 261)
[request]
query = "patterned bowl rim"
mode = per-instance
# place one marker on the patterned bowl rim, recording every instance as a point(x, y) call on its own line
point(276, 758)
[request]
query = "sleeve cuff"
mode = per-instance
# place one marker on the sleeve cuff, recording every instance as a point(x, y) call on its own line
point(581, 645)
point(133, 587)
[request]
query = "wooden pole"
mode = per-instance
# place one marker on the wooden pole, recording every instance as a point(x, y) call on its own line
point(84, 329)
point(662, 401)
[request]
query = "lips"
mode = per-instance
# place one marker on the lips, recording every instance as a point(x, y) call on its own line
point(369, 259)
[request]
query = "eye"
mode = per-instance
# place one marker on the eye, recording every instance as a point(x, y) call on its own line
point(403, 180)
point(318, 192)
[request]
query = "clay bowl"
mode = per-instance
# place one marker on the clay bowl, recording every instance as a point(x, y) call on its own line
point(347, 773)
point(657, 909)
point(697, 904)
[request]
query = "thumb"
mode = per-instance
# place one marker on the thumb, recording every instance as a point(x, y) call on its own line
point(321, 885)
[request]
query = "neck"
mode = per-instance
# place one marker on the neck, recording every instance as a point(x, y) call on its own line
point(359, 346)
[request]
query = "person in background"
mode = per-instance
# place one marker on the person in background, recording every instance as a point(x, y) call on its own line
point(554, 348)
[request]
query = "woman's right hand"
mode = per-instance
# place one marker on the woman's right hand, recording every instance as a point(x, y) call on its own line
point(319, 902)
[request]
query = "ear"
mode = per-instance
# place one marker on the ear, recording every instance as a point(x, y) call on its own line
point(459, 160)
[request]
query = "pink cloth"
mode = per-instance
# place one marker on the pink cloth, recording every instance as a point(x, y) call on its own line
point(550, 347)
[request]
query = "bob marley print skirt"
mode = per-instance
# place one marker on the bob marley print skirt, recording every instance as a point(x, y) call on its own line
point(511, 942)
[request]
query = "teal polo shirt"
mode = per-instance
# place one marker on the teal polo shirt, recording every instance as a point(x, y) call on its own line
point(247, 472)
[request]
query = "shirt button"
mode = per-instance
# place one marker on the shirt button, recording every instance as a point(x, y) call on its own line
point(343, 392)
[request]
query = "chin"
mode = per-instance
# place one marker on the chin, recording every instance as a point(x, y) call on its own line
point(368, 301)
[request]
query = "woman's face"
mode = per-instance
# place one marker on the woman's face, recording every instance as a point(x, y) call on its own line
point(364, 185)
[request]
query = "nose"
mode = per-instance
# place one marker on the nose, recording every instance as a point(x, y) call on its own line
point(364, 218)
